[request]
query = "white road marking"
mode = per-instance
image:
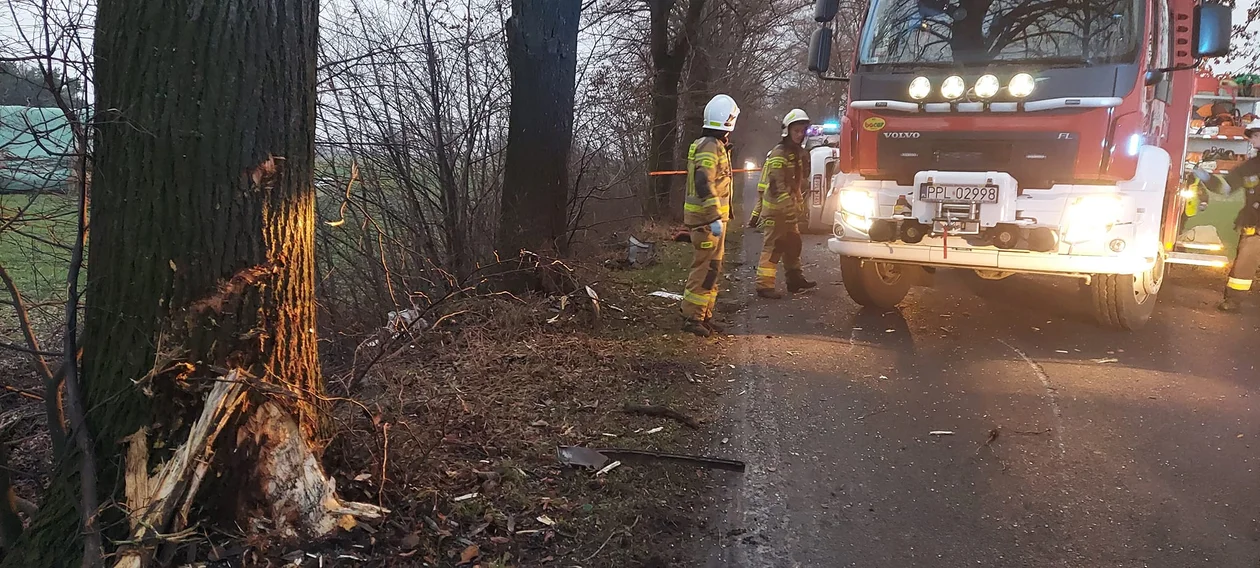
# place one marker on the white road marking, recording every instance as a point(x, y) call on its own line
point(1051, 395)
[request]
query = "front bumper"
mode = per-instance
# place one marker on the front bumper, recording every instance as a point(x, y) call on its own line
point(932, 252)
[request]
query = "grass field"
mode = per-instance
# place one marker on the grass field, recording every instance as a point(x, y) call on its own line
point(38, 231)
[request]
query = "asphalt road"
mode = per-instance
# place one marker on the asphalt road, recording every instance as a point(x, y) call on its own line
point(1071, 445)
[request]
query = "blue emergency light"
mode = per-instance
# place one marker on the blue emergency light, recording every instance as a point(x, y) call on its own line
point(831, 127)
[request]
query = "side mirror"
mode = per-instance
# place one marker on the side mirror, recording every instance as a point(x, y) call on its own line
point(1154, 76)
point(826, 10)
point(1212, 28)
point(820, 49)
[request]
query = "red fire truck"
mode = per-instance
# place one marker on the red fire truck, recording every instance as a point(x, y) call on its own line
point(1017, 137)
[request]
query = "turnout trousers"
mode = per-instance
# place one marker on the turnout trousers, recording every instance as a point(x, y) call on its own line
point(1246, 263)
point(700, 297)
point(782, 244)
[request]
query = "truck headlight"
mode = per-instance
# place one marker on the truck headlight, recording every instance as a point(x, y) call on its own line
point(920, 88)
point(858, 207)
point(987, 86)
point(1090, 218)
point(953, 87)
point(1021, 85)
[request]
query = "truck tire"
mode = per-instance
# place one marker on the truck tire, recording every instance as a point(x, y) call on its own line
point(874, 284)
point(1124, 301)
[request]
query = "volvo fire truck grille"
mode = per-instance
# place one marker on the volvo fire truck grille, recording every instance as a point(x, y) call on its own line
point(1037, 160)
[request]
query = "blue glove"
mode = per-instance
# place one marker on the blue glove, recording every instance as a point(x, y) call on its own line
point(716, 228)
point(1202, 175)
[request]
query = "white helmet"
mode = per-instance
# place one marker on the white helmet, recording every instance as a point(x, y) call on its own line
point(794, 116)
point(720, 113)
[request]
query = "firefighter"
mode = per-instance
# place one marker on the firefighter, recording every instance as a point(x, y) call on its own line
point(780, 208)
point(1245, 177)
point(706, 210)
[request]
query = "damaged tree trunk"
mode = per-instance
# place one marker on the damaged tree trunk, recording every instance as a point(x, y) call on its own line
point(202, 258)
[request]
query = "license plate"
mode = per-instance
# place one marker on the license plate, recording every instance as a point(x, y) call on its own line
point(966, 193)
point(816, 190)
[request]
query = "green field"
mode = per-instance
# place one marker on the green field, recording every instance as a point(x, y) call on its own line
point(38, 231)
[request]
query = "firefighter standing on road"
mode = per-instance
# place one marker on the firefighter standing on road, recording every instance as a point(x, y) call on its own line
point(1246, 178)
point(706, 211)
point(780, 207)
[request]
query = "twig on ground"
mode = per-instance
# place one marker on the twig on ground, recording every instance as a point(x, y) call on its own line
point(623, 530)
point(662, 411)
point(25, 393)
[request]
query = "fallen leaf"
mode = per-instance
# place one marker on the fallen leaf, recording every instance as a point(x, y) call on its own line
point(500, 539)
point(470, 553)
point(544, 519)
point(346, 522)
point(464, 497)
point(411, 541)
point(363, 477)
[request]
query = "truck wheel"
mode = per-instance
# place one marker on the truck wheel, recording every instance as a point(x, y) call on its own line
point(1124, 301)
point(874, 284)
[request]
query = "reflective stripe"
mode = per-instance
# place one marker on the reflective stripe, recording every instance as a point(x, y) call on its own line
point(694, 298)
point(765, 272)
point(1249, 231)
point(700, 207)
point(1239, 284)
point(706, 245)
point(768, 222)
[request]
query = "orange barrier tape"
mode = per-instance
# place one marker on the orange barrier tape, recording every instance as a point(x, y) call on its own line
point(684, 172)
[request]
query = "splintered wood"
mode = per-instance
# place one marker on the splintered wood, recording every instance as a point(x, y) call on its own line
point(298, 493)
point(291, 479)
point(152, 501)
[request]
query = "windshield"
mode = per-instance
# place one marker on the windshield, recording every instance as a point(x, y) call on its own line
point(978, 32)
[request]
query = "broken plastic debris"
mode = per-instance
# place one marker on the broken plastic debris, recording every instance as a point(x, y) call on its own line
point(608, 468)
point(464, 497)
point(941, 433)
point(581, 457)
point(664, 294)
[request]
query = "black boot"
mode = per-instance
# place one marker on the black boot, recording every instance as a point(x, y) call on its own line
point(1228, 305)
point(770, 293)
point(697, 327)
point(713, 326)
point(796, 281)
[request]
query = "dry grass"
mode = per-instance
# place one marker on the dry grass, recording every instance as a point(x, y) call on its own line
point(481, 408)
